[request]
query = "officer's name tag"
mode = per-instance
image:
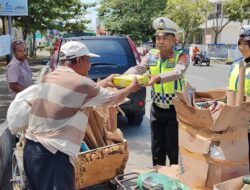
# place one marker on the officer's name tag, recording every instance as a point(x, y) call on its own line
point(170, 65)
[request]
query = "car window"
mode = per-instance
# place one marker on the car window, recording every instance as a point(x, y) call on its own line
point(111, 51)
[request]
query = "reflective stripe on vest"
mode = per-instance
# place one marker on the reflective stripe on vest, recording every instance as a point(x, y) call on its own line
point(234, 77)
point(163, 93)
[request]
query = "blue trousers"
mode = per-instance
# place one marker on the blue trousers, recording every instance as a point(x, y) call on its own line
point(47, 171)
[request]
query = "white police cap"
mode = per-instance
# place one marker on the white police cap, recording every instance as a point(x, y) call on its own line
point(165, 26)
point(245, 32)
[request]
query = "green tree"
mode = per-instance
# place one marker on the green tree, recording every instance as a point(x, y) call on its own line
point(130, 17)
point(53, 14)
point(188, 14)
point(237, 10)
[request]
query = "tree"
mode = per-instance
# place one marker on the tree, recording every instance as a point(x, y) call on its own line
point(188, 14)
point(218, 20)
point(237, 10)
point(53, 14)
point(130, 17)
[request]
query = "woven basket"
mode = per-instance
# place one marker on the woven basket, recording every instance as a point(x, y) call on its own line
point(101, 164)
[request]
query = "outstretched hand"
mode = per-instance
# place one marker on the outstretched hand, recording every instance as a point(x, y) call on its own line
point(134, 86)
point(154, 79)
point(107, 82)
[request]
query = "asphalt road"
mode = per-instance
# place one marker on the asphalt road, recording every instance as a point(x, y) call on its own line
point(138, 137)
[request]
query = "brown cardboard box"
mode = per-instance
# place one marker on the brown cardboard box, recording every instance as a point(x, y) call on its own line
point(198, 169)
point(232, 184)
point(229, 116)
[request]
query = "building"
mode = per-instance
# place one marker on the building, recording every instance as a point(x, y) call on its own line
point(230, 32)
point(226, 42)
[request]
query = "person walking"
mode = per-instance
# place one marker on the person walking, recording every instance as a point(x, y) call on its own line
point(18, 72)
point(59, 115)
point(166, 66)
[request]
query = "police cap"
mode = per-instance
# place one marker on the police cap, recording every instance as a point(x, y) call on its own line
point(165, 26)
point(245, 33)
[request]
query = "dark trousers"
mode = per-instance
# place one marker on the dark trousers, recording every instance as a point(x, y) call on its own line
point(164, 135)
point(47, 171)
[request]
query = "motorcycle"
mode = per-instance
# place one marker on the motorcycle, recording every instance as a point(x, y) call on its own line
point(200, 58)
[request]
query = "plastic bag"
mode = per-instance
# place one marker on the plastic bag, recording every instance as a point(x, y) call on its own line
point(18, 111)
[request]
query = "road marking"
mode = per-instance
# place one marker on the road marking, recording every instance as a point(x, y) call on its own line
point(195, 77)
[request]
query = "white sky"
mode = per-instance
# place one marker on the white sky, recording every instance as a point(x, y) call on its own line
point(91, 14)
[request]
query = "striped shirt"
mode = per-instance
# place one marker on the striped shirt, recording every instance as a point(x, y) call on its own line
point(59, 114)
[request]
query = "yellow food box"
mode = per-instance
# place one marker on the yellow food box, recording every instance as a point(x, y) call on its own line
point(125, 80)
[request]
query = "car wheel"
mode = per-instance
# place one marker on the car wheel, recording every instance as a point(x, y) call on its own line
point(135, 118)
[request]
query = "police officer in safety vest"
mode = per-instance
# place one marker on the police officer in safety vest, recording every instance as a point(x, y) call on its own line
point(244, 48)
point(166, 66)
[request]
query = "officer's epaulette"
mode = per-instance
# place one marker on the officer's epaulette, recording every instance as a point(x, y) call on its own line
point(238, 59)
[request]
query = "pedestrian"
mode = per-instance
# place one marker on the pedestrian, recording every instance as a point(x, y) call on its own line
point(59, 115)
point(18, 72)
point(244, 48)
point(166, 66)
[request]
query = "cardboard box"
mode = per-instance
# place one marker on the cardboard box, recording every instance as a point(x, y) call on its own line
point(101, 164)
point(232, 184)
point(198, 169)
point(228, 117)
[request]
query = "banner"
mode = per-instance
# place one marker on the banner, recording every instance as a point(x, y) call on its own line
point(13, 7)
point(5, 45)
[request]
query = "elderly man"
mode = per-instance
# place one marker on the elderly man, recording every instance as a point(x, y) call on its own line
point(18, 72)
point(59, 115)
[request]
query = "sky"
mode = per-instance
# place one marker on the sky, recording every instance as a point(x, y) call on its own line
point(91, 14)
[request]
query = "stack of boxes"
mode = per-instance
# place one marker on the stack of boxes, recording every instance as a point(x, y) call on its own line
point(213, 147)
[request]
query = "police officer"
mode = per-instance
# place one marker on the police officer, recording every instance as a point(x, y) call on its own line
point(166, 66)
point(244, 48)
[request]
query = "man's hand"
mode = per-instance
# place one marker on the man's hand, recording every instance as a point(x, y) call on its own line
point(154, 79)
point(134, 86)
point(107, 82)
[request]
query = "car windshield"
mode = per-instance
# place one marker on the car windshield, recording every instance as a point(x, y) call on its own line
point(112, 51)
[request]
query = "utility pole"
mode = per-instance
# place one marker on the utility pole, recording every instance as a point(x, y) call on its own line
point(9, 56)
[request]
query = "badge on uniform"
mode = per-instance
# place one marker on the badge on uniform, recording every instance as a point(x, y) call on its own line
point(171, 63)
point(152, 60)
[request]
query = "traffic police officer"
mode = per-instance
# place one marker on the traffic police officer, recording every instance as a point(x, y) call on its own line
point(244, 48)
point(166, 66)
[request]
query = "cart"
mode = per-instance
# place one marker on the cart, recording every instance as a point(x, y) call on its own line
point(127, 181)
point(93, 167)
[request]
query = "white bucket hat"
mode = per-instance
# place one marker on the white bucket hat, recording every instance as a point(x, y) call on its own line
point(74, 49)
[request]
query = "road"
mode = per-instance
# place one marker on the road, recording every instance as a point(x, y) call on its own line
point(138, 137)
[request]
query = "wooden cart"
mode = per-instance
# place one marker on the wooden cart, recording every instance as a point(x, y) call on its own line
point(101, 164)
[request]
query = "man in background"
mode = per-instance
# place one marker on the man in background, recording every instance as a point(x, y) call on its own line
point(18, 72)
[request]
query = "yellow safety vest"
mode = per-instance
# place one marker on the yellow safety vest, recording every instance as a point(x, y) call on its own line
point(234, 77)
point(163, 93)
